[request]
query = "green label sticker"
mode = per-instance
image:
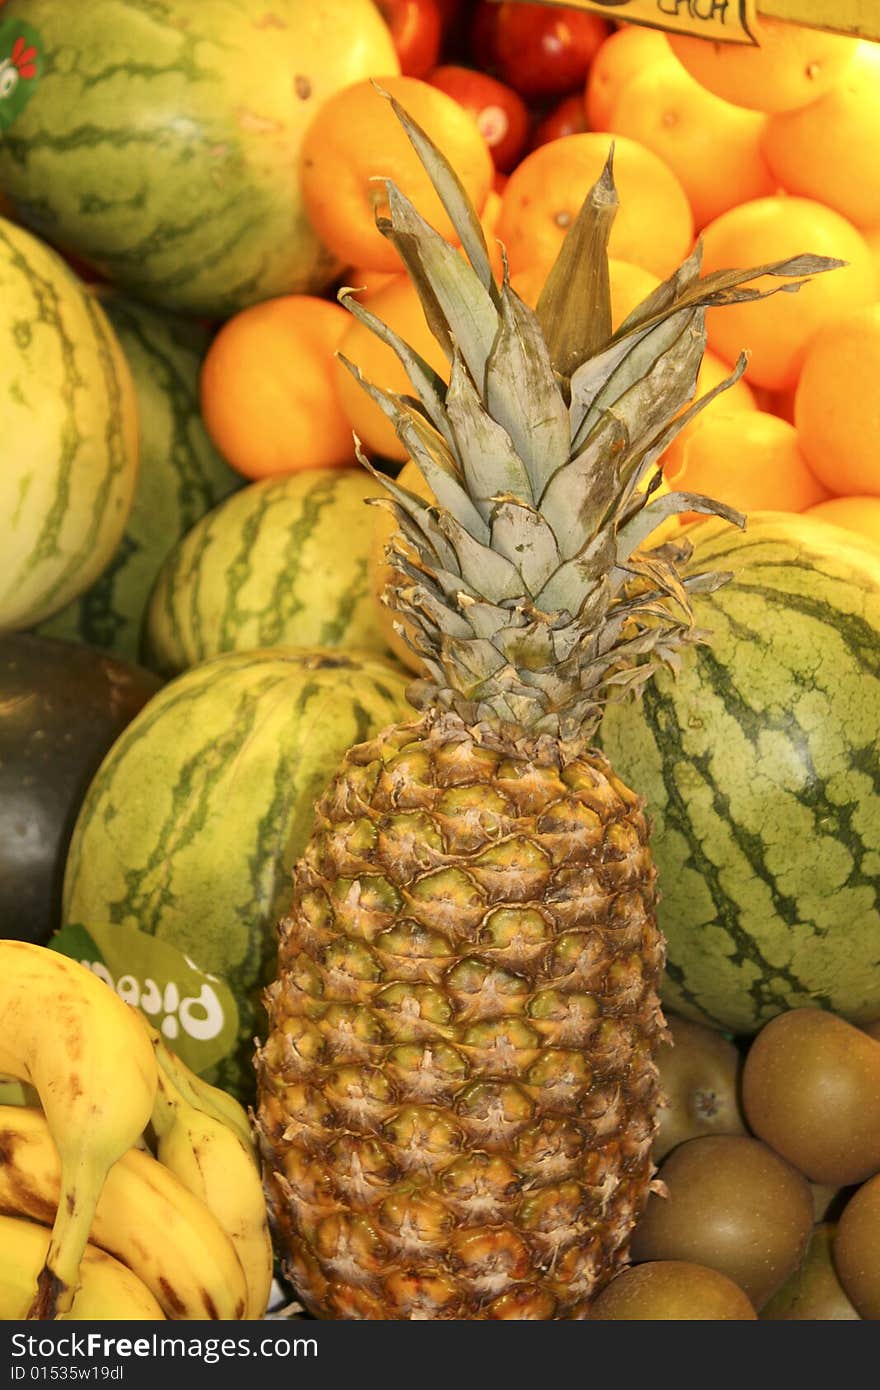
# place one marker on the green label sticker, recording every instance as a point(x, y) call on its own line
point(195, 1012)
point(21, 67)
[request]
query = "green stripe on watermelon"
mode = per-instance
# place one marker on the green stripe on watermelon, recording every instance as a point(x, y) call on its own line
point(761, 769)
point(284, 560)
point(181, 476)
point(160, 142)
point(68, 467)
point(192, 825)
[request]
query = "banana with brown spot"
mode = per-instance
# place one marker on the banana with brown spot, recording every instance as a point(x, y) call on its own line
point(70, 1037)
point(215, 1164)
point(107, 1291)
point(144, 1216)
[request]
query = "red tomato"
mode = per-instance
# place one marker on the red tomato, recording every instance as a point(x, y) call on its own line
point(498, 111)
point(568, 118)
point(415, 32)
point(545, 50)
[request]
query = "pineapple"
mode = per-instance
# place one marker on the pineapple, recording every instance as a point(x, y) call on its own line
point(458, 1089)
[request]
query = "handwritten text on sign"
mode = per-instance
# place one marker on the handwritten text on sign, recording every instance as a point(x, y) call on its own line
point(731, 21)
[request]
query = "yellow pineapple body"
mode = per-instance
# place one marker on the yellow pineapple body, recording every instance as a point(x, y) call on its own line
point(458, 1089)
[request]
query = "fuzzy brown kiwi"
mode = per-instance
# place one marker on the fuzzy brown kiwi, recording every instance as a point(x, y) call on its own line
point(856, 1249)
point(813, 1293)
point(733, 1205)
point(671, 1290)
point(699, 1080)
point(811, 1090)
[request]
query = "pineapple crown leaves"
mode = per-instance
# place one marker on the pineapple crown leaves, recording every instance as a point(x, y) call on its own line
point(527, 589)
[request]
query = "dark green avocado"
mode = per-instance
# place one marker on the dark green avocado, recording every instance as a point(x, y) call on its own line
point(62, 704)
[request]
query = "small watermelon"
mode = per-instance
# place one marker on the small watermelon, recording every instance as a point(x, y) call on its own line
point(69, 445)
point(181, 476)
point(180, 862)
point(285, 560)
point(760, 764)
point(158, 139)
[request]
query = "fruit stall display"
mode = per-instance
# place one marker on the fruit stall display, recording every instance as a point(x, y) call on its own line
point(439, 664)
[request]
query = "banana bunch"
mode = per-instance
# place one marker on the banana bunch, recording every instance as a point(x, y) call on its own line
point(107, 1290)
point(146, 1175)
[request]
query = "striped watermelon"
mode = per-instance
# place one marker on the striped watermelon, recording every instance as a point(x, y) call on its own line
point(68, 446)
point(284, 560)
point(181, 476)
point(185, 842)
point(160, 138)
point(761, 767)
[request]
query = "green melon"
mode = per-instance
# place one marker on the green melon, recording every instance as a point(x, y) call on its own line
point(285, 560)
point(69, 439)
point(181, 476)
point(180, 861)
point(760, 765)
point(160, 138)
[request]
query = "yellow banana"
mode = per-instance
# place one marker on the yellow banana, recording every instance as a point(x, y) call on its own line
point(200, 1093)
point(107, 1292)
point(144, 1216)
point(64, 1032)
point(213, 1163)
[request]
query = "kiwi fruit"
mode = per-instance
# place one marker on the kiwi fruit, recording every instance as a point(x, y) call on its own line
point(814, 1292)
point(856, 1249)
point(699, 1080)
point(811, 1090)
point(671, 1290)
point(733, 1205)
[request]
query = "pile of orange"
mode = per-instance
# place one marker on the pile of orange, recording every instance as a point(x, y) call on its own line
point(775, 147)
point(764, 153)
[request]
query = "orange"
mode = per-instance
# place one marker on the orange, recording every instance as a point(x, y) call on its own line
point(861, 514)
point(629, 50)
point(748, 459)
point(872, 237)
point(776, 331)
point(355, 141)
point(713, 147)
point(653, 227)
point(398, 305)
point(267, 394)
point(630, 284)
point(381, 573)
point(790, 67)
point(830, 150)
point(837, 406)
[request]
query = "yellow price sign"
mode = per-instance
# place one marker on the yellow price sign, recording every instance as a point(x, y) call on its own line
point(727, 21)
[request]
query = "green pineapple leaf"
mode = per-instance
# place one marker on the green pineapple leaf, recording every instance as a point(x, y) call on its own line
point(429, 385)
point(489, 461)
point(574, 307)
point(522, 393)
point(457, 305)
point(451, 193)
